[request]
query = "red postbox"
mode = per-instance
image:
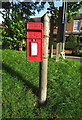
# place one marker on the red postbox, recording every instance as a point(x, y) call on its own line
point(34, 41)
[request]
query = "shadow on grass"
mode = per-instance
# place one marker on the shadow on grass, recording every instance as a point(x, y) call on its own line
point(28, 84)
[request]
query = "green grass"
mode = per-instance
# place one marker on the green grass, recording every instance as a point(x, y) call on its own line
point(21, 88)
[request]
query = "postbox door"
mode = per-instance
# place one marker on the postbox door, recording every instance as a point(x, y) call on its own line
point(34, 46)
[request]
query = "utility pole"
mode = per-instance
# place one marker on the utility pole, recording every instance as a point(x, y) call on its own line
point(61, 30)
point(59, 34)
point(51, 36)
point(64, 21)
point(43, 65)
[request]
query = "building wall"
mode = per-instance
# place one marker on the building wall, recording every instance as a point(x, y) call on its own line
point(69, 27)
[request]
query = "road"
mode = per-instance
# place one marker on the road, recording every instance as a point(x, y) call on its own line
point(77, 58)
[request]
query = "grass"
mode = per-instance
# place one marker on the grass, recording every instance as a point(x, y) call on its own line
point(20, 88)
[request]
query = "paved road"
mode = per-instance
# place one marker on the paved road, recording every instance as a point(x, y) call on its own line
point(74, 58)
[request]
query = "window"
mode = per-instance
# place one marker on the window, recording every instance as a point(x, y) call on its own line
point(76, 26)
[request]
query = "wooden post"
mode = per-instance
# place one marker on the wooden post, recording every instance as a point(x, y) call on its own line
point(43, 65)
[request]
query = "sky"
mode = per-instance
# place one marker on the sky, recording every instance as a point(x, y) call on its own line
point(57, 4)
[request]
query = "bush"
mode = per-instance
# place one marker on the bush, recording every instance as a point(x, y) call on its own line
point(71, 42)
point(14, 33)
point(72, 38)
point(70, 45)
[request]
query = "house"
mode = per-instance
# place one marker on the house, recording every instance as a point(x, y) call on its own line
point(75, 27)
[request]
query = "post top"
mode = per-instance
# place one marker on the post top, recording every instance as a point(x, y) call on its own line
point(46, 17)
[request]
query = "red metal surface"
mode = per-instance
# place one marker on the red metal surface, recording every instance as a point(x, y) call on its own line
point(34, 35)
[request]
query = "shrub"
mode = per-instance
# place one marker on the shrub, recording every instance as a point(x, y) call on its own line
point(14, 33)
point(70, 45)
point(71, 42)
point(72, 38)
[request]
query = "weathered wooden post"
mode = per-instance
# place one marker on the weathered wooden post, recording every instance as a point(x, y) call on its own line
point(43, 65)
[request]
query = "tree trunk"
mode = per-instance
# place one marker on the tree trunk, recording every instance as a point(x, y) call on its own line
point(59, 35)
point(51, 36)
point(43, 65)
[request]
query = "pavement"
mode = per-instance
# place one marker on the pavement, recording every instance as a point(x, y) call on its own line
point(77, 58)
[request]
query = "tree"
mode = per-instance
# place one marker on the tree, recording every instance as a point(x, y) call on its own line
point(59, 34)
point(15, 32)
point(53, 22)
point(16, 21)
point(72, 9)
point(6, 6)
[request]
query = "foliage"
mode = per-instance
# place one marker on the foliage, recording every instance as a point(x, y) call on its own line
point(77, 50)
point(70, 45)
point(53, 22)
point(14, 34)
point(16, 15)
point(22, 9)
point(72, 38)
point(21, 88)
point(54, 14)
point(73, 10)
point(71, 42)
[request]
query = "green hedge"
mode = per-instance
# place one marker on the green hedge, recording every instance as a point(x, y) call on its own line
point(70, 45)
point(71, 42)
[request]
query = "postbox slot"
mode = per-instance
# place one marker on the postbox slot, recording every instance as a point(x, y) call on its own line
point(34, 49)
